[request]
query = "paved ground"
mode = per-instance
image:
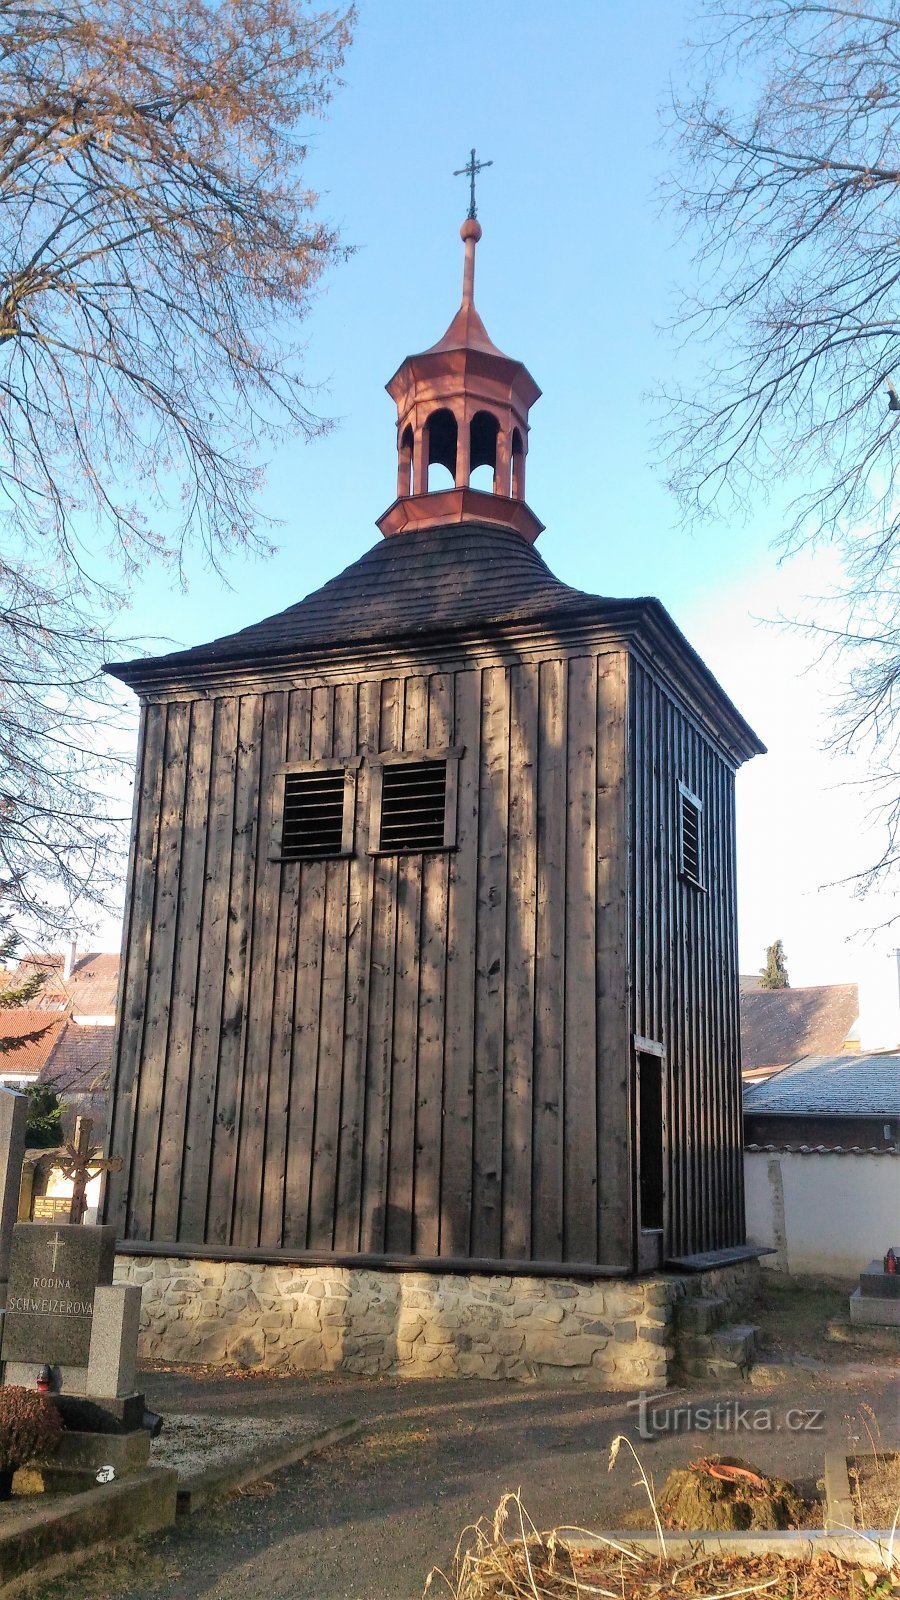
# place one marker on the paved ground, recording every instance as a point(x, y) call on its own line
point(367, 1521)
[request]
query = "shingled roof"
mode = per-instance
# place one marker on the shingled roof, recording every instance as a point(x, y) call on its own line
point(424, 580)
point(854, 1086)
point(430, 582)
point(781, 1025)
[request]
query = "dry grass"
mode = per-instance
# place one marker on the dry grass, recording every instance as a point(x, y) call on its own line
point(507, 1558)
point(874, 1474)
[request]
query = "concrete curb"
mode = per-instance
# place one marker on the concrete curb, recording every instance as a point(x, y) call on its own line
point(196, 1489)
point(39, 1543)
point(800, 1544)
point(839, 1509)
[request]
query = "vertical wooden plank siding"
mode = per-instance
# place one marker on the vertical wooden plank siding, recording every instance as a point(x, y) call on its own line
point(215, 850)
point(257, 1041)
point(173, 1122)
point(237, 964)
point(684, 938)
point(404, 1061)
point(521, 920)
point(427, 1153)
point(614, 1011)
point(487, 983)
point(548, 1109)
point(379, 1050)
point(339, 740)
point(348, 1219)
point(429, 1053)
point(163, 945)
point(580, 1000)
point(459, 1034)
point(137, 935)
point(302, 939)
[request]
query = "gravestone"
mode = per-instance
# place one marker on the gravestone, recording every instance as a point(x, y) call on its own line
point(66, 1314)
point(13, 1110)
point(54, 1274)
point(876, 1303)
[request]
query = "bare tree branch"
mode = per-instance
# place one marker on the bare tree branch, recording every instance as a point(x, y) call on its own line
point(791, 194)
point(158, 250)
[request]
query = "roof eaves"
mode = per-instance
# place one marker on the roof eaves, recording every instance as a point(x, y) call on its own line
point(642, 616)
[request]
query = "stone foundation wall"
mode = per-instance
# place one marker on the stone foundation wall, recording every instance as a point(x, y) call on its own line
point(616, 1334)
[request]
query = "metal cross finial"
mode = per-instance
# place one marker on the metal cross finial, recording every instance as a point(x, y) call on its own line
point(472, 166)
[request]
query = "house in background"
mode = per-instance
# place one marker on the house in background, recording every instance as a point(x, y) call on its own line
point(831, 1102)
point(68, 1030)
point(822, 1163)
point(83, 986)
point(779, 1026)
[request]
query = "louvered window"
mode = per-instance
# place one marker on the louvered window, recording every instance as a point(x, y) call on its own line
point(414, 802)
point(690, 836)
point(317, 811)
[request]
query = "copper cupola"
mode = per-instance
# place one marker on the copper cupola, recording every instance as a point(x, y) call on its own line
point(462, 404)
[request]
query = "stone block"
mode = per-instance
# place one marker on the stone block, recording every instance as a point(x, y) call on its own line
point(101, 1413)
point(625, 1332)
point(661, 1292)
point(579, 1350)
point(113, 1345)
point(874, 1311)
point(126, 1452)
point(436, 1335)
point(655, 1332)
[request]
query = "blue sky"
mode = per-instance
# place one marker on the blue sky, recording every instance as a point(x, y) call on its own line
point(575, 277)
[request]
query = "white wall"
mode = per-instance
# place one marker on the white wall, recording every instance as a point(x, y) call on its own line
point(824, 1214)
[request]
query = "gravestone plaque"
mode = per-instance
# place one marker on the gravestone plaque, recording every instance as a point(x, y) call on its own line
point(53, 1274)
point(47, 1208)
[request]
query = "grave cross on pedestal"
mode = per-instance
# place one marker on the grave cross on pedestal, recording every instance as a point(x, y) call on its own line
point(80, 1163)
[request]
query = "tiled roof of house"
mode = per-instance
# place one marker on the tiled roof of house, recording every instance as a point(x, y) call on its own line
point(852, 1085)
point(28, 1057)
point(81, 1059)
point(781, 1025)
point(90, 990)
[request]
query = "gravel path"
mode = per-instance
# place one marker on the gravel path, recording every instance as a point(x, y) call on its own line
point(366, 1521)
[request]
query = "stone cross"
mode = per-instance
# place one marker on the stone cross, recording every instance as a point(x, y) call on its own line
point(471, 167)
point(80, 1163)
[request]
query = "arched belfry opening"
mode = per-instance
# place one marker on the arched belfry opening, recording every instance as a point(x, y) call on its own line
point(405, 483)
point(462, 426)
point(483, 432)
point(441, 436)
point(518, 466)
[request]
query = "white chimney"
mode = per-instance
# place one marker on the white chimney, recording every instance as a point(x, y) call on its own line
point(69, 958)
point(879, 997)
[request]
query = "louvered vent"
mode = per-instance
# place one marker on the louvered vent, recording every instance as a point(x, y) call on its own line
point(691, 839)
point(413, 804)
point(313, 821)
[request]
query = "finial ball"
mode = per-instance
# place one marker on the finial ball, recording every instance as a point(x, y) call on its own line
point(471, 229)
